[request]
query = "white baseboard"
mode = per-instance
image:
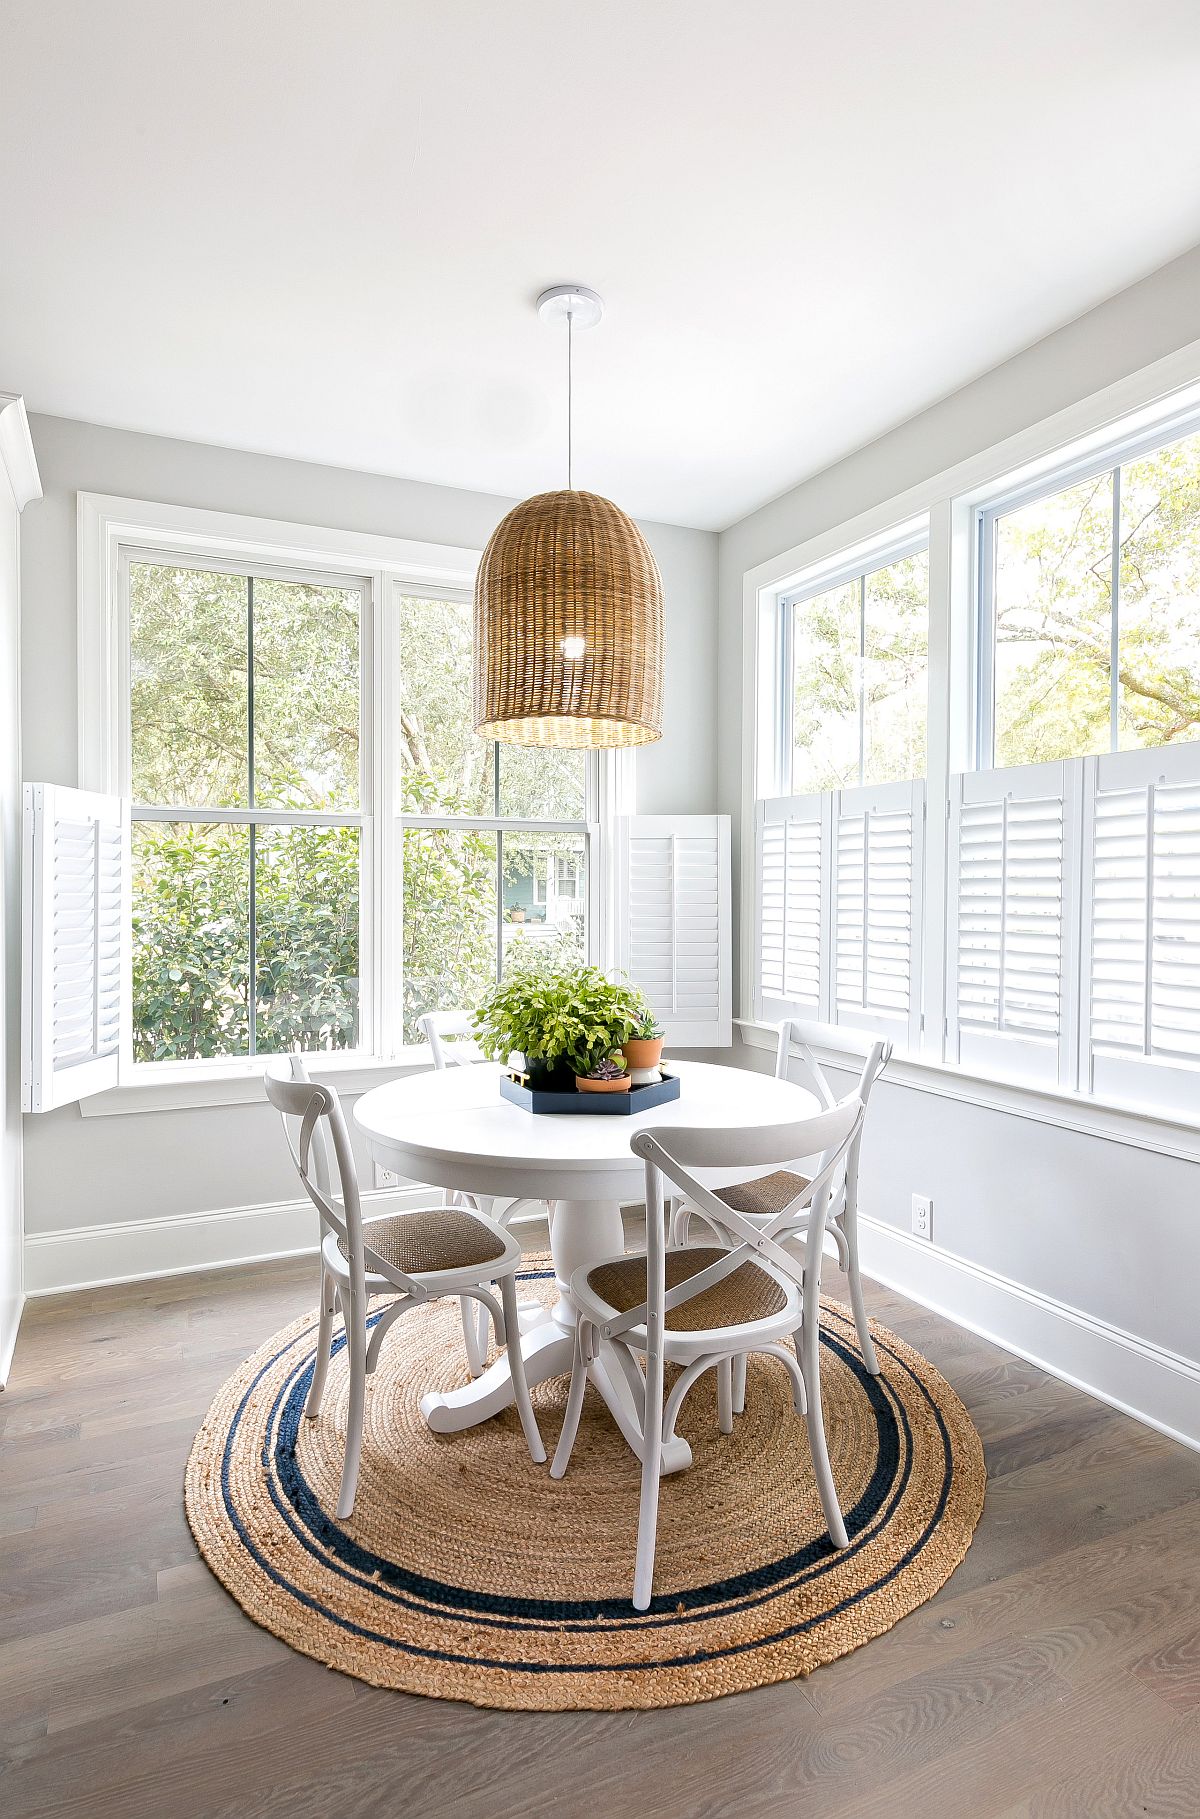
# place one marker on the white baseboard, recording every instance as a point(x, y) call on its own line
point(1146, 1381)
point(1154, 1385)
point(92, 1256)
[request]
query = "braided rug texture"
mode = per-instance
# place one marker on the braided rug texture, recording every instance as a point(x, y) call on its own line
point(468, 1573)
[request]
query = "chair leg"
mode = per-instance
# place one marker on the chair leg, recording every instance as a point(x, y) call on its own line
point(643, 1572)
point(516, 1365)
point(356, 1346)
point(808, 1348)
point(725, 1395)
point(316, 1389)
point(570, 1426)
point(863, 1325)
point(470, 1326)
point(739, 1384)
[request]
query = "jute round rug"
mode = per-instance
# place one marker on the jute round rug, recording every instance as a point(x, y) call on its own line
point(468, 1573)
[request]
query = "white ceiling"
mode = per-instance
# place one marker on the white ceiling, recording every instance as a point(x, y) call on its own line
point(317, 228)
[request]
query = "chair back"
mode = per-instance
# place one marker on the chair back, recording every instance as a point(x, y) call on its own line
point(798, 1038)
point(450, 1039)
point(675, 1154)
point(315, 1127)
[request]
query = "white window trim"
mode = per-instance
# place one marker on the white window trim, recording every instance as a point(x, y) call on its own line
point(383, 566)
point(1162, 394)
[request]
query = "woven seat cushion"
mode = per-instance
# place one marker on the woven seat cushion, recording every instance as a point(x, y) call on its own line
point(417, 1243)
point(769, 1194)
point(748, 1293)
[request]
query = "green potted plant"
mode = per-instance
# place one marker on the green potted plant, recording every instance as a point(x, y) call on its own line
point(607, 1076)
point(564, 1018)
point(644, 1047)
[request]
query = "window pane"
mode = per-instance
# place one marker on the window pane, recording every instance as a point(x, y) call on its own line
point(446, 766)
point(825, 673)
point(306, 689)
point(1053, 627)
point(188, 672)
point(1159, 608)
point(543, 784)
point(895, 670)
point(191, 941)
point(449, 921)
point(306, 905)
point(545, 890)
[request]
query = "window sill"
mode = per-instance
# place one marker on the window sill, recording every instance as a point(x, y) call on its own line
point(1114, 1123)
point(172, 1086)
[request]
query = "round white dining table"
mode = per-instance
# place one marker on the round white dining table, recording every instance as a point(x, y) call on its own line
point(453, 1130)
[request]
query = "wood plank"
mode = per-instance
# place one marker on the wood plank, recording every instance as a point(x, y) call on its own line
point(1057, 1673)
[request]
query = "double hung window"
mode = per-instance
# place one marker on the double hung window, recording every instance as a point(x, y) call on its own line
point(1030, 910)
point(489, 831)
point(839, 855)
point(249, 809)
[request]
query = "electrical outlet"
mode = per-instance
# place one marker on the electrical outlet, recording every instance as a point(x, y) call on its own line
point(922, 1217)
point(385, 1177)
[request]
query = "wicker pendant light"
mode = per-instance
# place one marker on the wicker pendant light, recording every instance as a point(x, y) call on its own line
point(568, 609)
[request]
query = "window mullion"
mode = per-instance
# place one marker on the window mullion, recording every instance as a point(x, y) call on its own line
point(500, 902)
point(1114, 592)
point(862, 679)
point(252, 906)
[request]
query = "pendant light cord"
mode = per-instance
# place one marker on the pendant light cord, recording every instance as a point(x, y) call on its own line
point(570, 362)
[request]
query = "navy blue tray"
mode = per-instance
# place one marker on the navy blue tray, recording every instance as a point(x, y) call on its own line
point(604, 1105)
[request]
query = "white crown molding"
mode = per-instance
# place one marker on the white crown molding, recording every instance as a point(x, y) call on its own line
point(16, 450)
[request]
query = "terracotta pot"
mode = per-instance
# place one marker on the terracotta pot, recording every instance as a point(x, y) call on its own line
point(584, 1085)
point(639, 1052)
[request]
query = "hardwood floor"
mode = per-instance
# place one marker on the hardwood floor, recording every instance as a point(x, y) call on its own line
point(1057, 1674)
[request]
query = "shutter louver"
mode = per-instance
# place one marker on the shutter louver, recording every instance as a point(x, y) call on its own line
point(1143, 1010)
point(877, 893)
point(75, 855)
point(1012, 835)
point(674, 922)
point(791, 884)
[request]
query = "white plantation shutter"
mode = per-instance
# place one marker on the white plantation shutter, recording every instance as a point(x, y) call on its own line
point(878, 872)
point(1142, 946)
point(792, 873)
point(75, 861)
point(673, 922)
point(1012, 925)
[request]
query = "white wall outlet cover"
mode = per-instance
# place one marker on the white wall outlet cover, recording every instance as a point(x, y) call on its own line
point(922, 1216)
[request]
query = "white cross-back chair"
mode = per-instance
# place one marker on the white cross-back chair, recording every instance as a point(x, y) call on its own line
point(701, 1307)
point(452, 1044)
point(761, 1199)
point(415, 1256)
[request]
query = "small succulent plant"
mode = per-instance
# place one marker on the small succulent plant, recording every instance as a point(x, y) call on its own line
point(648, 1030)
point(610, 1069)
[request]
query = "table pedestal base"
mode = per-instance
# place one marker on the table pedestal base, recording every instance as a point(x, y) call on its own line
point(582, 1232)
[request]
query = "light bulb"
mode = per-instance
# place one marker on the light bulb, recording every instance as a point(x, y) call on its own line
point(573, 648)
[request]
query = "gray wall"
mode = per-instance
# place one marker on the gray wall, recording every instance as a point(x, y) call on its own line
point(1050, 1209)
point(90, 1171)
